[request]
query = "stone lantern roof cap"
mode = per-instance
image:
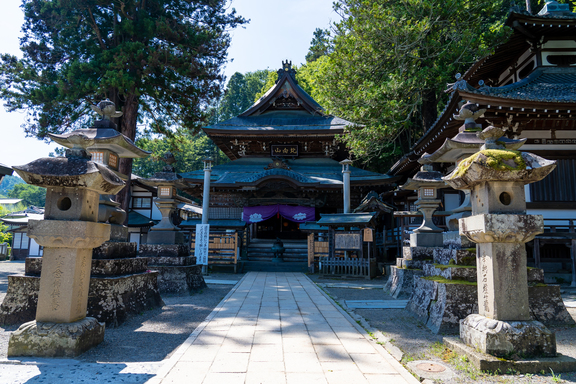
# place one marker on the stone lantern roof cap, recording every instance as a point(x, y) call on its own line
point(104, 139)
point(425, 179)
point(164, 178)
point(496, 163)
point(71, 173)
point(465, 142)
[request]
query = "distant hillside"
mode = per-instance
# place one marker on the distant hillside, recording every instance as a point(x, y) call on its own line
point(8, 183)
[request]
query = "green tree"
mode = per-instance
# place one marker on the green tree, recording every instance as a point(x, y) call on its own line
point(30, 194)
point(8, 183)
point(159, 61)
point(189, 150)
point(241, 92)
point(391, 62)
point(320, 45)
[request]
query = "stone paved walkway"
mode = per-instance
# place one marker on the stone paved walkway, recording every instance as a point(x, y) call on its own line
point(280, 328)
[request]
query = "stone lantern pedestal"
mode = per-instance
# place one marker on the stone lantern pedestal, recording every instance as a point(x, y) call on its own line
point(68, 234)
point(500, 227)
point(120, 283)
point(165, 247)
point(423, 240)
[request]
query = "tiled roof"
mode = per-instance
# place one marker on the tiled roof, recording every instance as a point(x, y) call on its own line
point(282, 120)
point(544, 84)
point(303, 170)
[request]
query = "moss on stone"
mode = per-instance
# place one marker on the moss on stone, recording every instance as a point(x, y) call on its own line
point(440, 279)
point(443, 267)
point(469, 260)
point(493, 158)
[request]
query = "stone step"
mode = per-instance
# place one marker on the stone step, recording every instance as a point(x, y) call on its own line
point(418, 253)
point(468, 273)
point(458, 256)
point(411, 264)
point(449, 272)
point(270, 266)
point(442, 305)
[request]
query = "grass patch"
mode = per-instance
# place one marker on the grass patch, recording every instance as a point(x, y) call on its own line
point(440, 279)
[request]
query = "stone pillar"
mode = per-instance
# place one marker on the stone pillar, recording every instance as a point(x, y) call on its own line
point(68, 234)
point(500, 227)
point(206, 192)
point(346, 181)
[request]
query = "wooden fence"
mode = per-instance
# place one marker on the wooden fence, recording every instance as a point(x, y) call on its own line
point(222, 250)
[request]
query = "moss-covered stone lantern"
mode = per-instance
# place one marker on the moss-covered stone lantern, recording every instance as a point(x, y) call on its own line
point(500, 227)
point(68, 233)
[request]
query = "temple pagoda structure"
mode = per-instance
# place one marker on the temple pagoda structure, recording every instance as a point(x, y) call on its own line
point(285, 169)
point(527, 87)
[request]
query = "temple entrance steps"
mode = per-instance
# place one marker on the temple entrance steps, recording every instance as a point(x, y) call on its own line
point(260, 256)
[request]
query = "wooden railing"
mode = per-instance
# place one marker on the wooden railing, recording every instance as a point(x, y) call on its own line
point(222, 250)
point(318, 249)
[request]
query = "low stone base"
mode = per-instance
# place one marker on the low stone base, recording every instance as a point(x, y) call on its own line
point(401, 282)
point(508, 338)
point(155, 250)
point(56, 340)
point(432, 239)
point(110, 299)
point(156, 237)
point(441, 305)
point(179, 279)
point(489, 363)
point(115, 250)
point(100, 267)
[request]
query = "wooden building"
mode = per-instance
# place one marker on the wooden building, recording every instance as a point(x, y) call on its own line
point(285, 166)
point(528, 88)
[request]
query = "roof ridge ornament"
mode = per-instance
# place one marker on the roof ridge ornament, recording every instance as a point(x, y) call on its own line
point(286, 70)
point(460, 83)
point(553, 8)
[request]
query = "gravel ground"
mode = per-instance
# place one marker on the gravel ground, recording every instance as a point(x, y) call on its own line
point(417, 342)
point(149, 336)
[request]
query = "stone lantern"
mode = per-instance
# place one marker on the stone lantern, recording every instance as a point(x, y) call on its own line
point(108, 146)
point(500, 227)
point(166, 183)
point(465, 143)
point(426, 182)
point(165, 246)
point(68, 233)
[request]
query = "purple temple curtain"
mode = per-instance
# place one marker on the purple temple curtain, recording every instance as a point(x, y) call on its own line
point(297, 214)
point(260, 213)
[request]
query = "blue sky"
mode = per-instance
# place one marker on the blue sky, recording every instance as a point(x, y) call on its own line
point(278, 30)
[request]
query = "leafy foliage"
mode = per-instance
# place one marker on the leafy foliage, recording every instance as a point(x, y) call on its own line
point(30, 194)
point(159, 61)
point(241, 93)
point(8, 183)
point(188, 150)
point(320, 45)
point(5, 236)
point(391, 62)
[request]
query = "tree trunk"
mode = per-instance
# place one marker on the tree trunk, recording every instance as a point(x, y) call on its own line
point(429, 109)
point(127, 127)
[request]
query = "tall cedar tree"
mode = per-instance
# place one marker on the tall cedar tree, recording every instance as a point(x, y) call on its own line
point(241, 92)
point(392, 60)
point(160, 61)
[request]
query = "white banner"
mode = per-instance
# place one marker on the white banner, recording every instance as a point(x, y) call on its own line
point(201, 243)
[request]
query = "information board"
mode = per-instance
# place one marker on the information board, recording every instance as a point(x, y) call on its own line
point(201, 243)
point(347, 241)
